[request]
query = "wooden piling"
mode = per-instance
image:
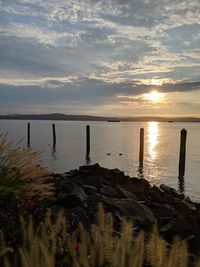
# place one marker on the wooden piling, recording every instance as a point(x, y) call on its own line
point(87, 140)
point(141, 154)
point(182, 154)
point(28, 134)
point(54, 134)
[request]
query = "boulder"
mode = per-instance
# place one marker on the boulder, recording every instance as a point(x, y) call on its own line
point(186, 227)
point(89, 189)
point(139, 187)
point(125, 193)
point(70, 201)
point(171, 191)
point(131, 209)
point(109, 191)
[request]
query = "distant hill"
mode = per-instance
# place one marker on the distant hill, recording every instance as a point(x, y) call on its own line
point(59, 116)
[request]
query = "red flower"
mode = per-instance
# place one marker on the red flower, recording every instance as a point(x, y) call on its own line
point(77, 245)
point(31, 204)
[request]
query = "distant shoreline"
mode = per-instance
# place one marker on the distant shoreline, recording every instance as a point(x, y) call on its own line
point(64, 117)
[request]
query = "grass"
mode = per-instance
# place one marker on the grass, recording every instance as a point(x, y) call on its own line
point(49, 245)
point(20, 170)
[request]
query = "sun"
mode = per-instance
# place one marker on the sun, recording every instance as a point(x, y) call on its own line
point(153, 96)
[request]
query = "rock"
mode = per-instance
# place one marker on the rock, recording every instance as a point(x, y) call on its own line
point(171, 191)
point(133, 210)
point(161, 211)
point(190, 205)
point(70, 201)
point(118, 177)
point(186, 227)
point(109, 191)
point(139, 187)
point(125, 193)
point(184, 208)
point(89, 189)
point(69, 187)
point(160, 196)
point(94, 167)
point(95, 181)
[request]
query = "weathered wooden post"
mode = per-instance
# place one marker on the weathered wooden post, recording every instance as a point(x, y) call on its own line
point(141, 154)
point(87, 141)
point(28, 134)
point(182, 153)
point(54, 134)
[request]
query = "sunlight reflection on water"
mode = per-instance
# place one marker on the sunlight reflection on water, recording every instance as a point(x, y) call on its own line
point(153, 132)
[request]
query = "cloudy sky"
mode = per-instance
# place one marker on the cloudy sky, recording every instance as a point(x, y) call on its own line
point(108, 57)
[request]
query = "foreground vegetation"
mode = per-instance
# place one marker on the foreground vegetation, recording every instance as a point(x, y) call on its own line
point(31, 237)
point(49, 245)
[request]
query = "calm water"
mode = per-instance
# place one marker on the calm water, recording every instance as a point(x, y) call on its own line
point(161, 148)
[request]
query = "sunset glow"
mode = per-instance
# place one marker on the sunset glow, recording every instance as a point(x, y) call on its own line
point(154, 96)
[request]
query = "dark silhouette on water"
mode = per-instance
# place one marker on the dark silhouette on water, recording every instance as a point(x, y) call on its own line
point(53, 152)
point(140, 171)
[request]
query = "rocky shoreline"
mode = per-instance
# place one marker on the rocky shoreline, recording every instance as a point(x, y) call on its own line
point(78, 192)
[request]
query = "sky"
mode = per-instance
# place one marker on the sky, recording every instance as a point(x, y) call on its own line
point(108, 57)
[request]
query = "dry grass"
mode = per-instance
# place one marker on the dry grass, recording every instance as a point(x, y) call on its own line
point(49, 245)
point(20, 170)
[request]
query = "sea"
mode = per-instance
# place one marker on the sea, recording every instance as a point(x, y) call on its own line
point(116, 145)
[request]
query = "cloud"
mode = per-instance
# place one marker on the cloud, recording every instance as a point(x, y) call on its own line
point(72, 51)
